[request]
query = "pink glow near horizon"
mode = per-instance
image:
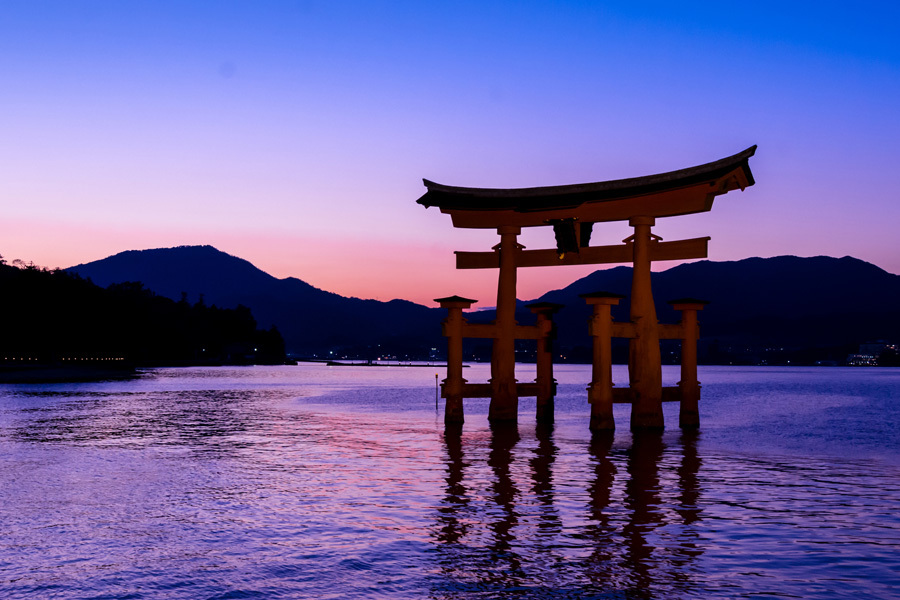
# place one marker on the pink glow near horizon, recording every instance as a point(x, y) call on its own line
point(317, 261)
point(297, 139)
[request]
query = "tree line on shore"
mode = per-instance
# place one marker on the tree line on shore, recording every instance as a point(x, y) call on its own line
point(52, 316)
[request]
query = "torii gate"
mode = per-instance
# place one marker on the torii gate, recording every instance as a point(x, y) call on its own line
point(572, 210)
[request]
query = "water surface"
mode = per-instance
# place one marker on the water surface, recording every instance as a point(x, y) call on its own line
point(341, 482)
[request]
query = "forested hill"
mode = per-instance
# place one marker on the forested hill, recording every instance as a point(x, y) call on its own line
point(49, 316)
point(312, 321)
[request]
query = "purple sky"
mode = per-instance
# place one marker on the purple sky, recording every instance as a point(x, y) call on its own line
point(296, 134)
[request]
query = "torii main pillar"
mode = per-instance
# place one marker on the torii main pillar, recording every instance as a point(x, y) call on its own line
point(504, 396)
point(644, 363)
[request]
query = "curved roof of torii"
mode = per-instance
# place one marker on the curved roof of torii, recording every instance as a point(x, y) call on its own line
point(679, 192)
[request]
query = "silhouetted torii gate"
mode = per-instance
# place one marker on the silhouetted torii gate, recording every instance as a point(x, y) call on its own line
point(572, 210)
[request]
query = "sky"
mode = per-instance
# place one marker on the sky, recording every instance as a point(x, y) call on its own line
point(296, 134)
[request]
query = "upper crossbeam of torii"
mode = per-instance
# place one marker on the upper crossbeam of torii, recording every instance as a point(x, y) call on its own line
point(572, 210)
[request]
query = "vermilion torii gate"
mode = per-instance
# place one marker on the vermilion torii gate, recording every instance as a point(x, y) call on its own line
point(572, 210)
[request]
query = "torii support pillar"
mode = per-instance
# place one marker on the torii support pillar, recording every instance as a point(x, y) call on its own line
point(689, 415)
point(600, 392)
point(504, 395)
point(644, 362)
point(544, 359)
point(452, 389)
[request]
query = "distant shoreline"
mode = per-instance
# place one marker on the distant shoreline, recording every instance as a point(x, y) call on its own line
point(89, 371)
point(43, 373)
point(38, 374)
point(370, 363)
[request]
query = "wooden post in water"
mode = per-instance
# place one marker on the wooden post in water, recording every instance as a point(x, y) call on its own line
point(453, 330)
point(504, 396)
point(544, 359)
point(689, 413)
point(644, 362)
point(600, 392)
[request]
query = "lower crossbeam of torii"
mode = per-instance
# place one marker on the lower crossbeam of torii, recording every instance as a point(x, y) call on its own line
point(571, 211)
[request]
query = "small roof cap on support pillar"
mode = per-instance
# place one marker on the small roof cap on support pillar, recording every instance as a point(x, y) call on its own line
point(455, 302)
point(602, 298)
point(547, 308)
point(688, 304)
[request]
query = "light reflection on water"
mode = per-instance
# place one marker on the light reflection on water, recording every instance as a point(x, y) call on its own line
point(310, 482)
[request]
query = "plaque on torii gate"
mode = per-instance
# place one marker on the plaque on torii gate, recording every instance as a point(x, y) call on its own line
point(571, 210)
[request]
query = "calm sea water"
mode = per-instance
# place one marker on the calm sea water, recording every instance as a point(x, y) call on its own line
point(341, 482)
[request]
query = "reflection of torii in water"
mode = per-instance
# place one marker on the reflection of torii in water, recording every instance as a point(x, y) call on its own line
point(593, 527)
point(572, 210)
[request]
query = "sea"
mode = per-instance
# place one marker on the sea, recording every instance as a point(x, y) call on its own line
point(315, 481)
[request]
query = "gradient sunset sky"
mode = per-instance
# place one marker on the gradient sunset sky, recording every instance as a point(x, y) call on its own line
point(296, 134)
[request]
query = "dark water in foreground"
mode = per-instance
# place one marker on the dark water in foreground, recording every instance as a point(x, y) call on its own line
point(317, 482)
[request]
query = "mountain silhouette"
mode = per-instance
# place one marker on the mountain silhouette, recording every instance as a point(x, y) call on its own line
point(785, 299)
point(310, 320)
point(758, 306)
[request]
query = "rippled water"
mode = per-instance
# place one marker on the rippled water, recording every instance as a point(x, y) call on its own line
point(318, 482)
